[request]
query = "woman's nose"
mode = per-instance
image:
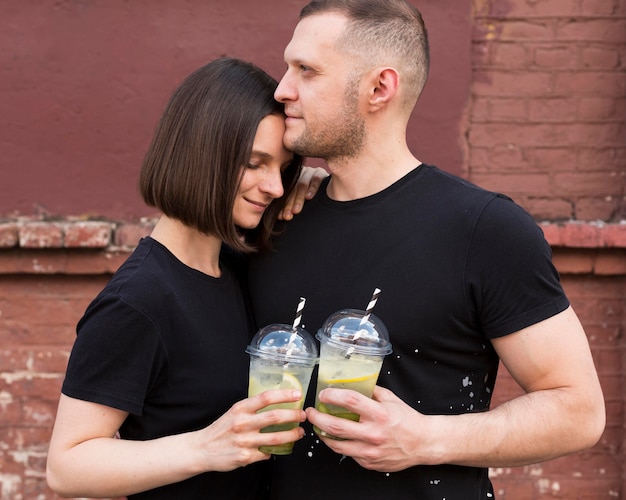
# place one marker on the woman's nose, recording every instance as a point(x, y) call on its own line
point(273, 184)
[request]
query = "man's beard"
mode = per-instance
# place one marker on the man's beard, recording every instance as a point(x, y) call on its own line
point(341, 138)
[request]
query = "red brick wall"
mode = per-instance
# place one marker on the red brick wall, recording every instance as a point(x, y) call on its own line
point(547, 120)
point(545, 123)
point(37, 316)
point(50, 271)
point(599, 472)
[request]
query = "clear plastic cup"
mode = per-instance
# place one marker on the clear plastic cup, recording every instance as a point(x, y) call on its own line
point(281, 357)
point(353, 346)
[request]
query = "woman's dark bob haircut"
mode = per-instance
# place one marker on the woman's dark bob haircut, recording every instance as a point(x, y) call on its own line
point(202, 144)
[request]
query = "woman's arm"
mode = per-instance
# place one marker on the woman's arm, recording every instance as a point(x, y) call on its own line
point(85, 459)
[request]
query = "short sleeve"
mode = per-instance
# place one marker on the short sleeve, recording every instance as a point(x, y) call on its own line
point(511, 278)
point(117, 358)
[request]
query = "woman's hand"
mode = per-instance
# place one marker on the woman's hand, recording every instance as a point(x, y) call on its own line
point(233, 440)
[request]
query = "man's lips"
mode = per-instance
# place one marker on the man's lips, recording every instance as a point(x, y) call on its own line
point(292, 121)
point(292, 116)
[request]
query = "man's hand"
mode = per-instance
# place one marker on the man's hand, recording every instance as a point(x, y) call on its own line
point(381, 440)
point(306, 188)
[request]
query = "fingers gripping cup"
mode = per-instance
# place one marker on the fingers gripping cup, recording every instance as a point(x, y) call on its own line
point(353, 345)
point(281, 357)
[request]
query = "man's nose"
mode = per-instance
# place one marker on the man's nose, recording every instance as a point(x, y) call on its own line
point(285, 90)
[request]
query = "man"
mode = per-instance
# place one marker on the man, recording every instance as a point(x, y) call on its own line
point(466, 279)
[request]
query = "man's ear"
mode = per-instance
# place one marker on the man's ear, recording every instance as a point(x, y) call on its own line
point(383, 86)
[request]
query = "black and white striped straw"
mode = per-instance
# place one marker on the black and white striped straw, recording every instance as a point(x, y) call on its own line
point(300, 308)
point(370, 306)
point(364, 319)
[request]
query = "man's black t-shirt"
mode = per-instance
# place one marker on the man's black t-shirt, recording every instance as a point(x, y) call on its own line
point(457, 266)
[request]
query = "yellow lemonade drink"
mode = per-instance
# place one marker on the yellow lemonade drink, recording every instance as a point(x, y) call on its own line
point(358, 373)
point(281, 357)
point(353, 345)
point(266, 376)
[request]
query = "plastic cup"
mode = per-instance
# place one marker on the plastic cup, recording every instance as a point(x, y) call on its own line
point(353, 346)
point(281, 357)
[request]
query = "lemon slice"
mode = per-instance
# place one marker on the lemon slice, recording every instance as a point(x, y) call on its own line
point(351, 380)
point(290, 382)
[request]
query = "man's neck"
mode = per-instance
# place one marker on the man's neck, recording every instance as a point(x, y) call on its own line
point(367, 174)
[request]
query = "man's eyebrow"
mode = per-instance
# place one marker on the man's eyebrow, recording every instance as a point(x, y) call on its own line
point(297, 61)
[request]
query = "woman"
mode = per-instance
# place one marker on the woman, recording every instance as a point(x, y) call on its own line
point(160, 354)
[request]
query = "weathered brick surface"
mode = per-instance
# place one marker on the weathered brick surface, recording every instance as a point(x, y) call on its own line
point(56, 261)
point(9, 235)
point(128, 235)
point(546, 123)
point(548, 101)
point(88, 235)
point(601, 304)
point(41, 235)
point(38, 314)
